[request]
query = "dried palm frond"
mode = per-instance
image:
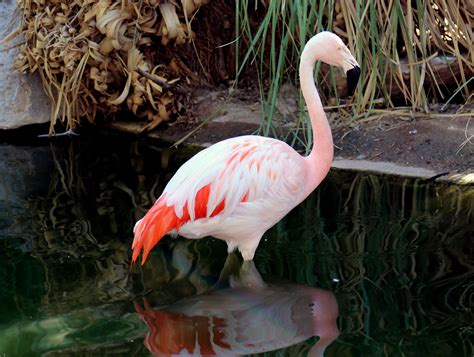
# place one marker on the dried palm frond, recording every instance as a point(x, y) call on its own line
point(87, 53)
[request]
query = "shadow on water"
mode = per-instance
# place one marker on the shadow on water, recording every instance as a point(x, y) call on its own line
point(395, 253)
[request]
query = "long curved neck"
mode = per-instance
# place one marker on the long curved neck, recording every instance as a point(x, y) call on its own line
point(318, 162)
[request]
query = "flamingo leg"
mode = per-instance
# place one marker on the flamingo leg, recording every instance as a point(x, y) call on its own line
point(248, 247)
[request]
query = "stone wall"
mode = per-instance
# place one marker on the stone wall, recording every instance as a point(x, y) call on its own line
point(22, 99)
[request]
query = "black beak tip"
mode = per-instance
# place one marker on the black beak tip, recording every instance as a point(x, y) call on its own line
point(352, 79)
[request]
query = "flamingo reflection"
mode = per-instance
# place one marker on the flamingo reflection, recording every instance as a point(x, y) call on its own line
point(249, 316)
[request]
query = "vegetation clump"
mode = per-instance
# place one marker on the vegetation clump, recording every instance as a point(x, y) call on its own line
point(101, 55)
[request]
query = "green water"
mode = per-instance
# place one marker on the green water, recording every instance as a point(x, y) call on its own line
point(396, 254)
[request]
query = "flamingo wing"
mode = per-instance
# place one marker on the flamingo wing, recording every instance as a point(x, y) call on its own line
point(217, 180)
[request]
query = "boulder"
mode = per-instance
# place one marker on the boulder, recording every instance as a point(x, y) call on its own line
point(22, 99)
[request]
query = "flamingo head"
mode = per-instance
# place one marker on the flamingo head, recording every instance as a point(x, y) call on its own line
point(329, 48)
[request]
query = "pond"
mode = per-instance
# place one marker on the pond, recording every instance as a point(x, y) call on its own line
point(366, 266)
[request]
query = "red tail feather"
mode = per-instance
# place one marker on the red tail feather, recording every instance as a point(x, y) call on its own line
point(158, 221)
point(161, 219)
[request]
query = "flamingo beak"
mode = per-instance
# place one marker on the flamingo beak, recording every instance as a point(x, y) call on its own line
point(352, 69)
point(352, 79)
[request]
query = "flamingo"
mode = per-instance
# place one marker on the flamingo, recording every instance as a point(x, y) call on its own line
point(236, 189)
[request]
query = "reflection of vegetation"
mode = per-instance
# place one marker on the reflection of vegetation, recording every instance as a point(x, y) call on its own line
point(81, 254)
point(67, 224)
point(84, 226)
point(60, 216)
point(75, 333)
point(396, 252)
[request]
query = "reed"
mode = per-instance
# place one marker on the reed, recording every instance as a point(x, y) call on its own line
point(411, 53)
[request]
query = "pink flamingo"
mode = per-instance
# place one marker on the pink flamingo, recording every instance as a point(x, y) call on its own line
point(237, 189)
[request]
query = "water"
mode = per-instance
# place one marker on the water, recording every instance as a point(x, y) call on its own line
point(394, 256)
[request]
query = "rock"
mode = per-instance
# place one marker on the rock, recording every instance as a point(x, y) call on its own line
point(22, 99)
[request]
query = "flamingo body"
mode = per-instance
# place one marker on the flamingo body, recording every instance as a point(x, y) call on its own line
point(237, 189)
point(234, 190)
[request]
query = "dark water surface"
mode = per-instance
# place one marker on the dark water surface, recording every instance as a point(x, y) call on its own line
point(394, 256)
